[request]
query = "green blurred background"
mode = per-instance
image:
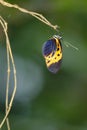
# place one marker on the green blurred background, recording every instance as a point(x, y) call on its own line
point(45, 101)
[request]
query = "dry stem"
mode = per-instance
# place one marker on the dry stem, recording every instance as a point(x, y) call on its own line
point(9, 57)
point(34, 14)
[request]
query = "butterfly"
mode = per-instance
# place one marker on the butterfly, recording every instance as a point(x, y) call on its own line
point(52, 52)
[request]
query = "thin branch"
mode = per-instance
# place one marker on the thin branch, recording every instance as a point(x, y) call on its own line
point(7, 87)
point(34, 14)
point(4, 25)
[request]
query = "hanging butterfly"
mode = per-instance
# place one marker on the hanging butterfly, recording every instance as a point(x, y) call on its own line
point(52, 52)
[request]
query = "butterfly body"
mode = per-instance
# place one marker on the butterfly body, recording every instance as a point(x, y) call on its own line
point(52, 52)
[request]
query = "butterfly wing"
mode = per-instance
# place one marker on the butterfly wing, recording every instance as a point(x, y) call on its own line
point(52, 52)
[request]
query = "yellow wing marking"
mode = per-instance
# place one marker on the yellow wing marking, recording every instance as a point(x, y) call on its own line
point(57, 55)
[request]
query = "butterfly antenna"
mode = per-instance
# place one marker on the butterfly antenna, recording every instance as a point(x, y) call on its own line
point(67, 44)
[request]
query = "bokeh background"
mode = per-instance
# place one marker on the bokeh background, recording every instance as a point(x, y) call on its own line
point(45, 101)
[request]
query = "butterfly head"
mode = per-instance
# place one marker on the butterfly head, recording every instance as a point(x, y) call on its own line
point(57, 36)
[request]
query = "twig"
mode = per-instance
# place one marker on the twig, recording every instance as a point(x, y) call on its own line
point(34, 14)
point(7, 87)
point(9, 53)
